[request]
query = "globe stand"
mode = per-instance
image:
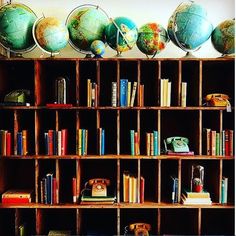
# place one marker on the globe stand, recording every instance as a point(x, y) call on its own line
point(88, 55)
point(189, 55)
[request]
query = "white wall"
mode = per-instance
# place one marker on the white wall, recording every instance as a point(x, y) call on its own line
point(141, 12)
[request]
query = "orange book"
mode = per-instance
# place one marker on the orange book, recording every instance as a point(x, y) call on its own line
point(24, 141)
point(125, 186)
point(136, 144)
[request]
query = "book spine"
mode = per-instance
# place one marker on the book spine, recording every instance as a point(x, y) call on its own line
point(64, 136)
point(148, 144)
point(74, 190)
point(231, 142)
point(132, 142)
point(59, 142)
point(151, 144)
point(142, 188)
point(103, 143)
point(155, 143)
point(93, 95)
point(213, 142)
point(126, 187)
point(88, 93)
point(162, 92)
point(128, 93)
point(54, 191)
point(49, 178)
point(168, 99)
point(134, 89)
point(24, 142)
point(123, 92)
point(226, 142)
point(217, 144)
point(183, 94)
point(114, 94)
point(19, 143)
point(141, 95)
point(8, 144)
point(136, 143)
point(223, 142)
point(50, 142)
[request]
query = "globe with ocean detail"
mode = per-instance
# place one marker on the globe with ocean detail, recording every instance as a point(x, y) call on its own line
point(152, 39)
point(223, 36)
point(50, 34)
point(98, 48)
point(121, 34)
point(189, 27)
point(86, 24)
point(16, 22)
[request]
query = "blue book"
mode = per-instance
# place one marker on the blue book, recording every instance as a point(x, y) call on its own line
point(155, 143)
point(174, 193)
point(123, 92)
point(83, 142)
point(49, 177)
point(103, 142)
point(19, 144)
point(132, 141)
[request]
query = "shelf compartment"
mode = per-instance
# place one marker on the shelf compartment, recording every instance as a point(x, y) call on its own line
point(7, 221)
point(98, 222)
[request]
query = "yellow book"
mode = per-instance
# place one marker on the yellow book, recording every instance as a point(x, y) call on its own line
point(125, 187)
point(128, 94)
point(24, 141)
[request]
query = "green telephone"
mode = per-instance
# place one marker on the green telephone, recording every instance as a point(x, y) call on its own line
point(17, 96)
point(176, 144)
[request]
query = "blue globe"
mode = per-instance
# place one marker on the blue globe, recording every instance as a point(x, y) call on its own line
point(97, 48)
point(121, 34)
point(189, 27)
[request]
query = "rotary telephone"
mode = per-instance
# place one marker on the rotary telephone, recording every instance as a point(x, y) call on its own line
point(176, 144)
point(217, 99)
point(99, 187)
point(140, 229)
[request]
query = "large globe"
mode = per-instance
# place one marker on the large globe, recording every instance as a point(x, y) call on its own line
point(152, 38)
point(188, 27)
point(223, 37)
point(121, 34)
point(86, 23)
point(50, 34)
point(16, 22)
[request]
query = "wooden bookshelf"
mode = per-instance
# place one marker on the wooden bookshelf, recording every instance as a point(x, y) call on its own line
point(203, 76)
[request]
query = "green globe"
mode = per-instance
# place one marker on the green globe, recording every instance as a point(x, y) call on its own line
point(86, 23)
point(16, 22)
point(50, 34)
point(222, 37)
point(152, 38)
point(121, 34)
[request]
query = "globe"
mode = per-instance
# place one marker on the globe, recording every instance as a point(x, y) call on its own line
point(222, 37)
point(188, 27)
point(98, 48)
point(152, 39)
point(121, 34)
point(86, 23)
point(50, 34)
point(16, 22)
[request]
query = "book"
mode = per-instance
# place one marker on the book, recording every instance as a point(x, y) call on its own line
point(74, 190)
point(126, 186)
point(128, 93)
point(191, 153)
point(132, 145)
point(190, 194)
point(123, 92)
point(224, 190)
point(175, 187)
point(142, 189)
point(90, 199)
point(134, 89)
point(16, 196)
point(183, 94)
point(200, 201)
point(114, 94)
point(59, 233)
point(155, 143)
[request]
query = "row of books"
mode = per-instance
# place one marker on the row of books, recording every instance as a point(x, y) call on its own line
point(82, 141)
point(5, 142)
point(55, 142)
point(218, 143)
point(92, 94)
point(134, 142)
point(133, 190)
point(152, 144)
point(128, 93)
point(49, 191)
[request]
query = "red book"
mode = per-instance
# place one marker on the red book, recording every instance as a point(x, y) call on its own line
point(191, 153)
point(15, 200)
point(54, 191)
point(226, 142)
point(64, 137)
point(55, 105)
point(50, 142)
point(142, 185)
point(8, 144)
point(231, 142)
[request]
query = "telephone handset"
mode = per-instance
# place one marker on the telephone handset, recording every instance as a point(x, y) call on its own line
point(140, 229)
point(177, 144)
point(17, 96)
point(217, 99)
point(99, 187)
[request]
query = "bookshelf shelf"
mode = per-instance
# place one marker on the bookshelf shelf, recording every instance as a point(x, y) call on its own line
point(202, 75)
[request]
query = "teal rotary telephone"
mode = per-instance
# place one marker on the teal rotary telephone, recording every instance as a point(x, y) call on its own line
point(176, 144)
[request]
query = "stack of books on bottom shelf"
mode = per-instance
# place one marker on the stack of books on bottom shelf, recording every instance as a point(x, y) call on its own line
point(16, 196)
point(88, 200)
point(201, 198)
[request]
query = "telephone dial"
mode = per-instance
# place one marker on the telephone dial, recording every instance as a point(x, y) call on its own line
point(176, 144)
point(140, 229)
point(99, 187)
point(217, 99)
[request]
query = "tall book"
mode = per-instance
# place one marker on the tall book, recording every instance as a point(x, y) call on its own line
point(142, 189)
point(155, 143)
point(132, 144)
point(114, 94)
point(123, 92)
point(174, 192)
point(126, 186)
point(134, 89)
point(183, 94)
point(224, 190)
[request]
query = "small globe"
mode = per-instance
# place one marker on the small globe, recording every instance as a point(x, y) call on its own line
point(222, 37)
point(188, 27)
point(152, 38)
point(16, 22)
point(86, 23)
point(121, 34)
point(50, 34)
point(98, 48)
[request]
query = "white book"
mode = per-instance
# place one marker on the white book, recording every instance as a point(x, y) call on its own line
point(162, 93)
point(134, 89)
point(168, 101)
point(114, 94)
point(165, 95)
point(183, 94)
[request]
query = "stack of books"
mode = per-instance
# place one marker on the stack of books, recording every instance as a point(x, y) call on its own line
point(196, 198)
point(16, 196)
point(88, 200)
